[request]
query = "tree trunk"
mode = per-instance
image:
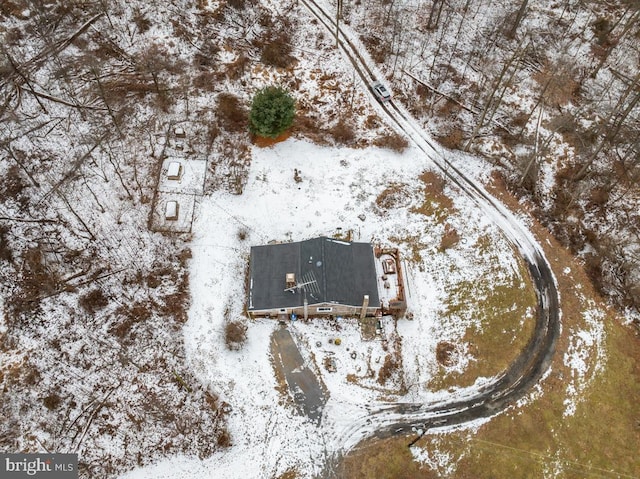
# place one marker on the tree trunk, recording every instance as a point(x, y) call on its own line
point(519, 17)
point(490, 100)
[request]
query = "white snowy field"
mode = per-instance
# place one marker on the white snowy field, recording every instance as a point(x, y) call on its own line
point(339, 189)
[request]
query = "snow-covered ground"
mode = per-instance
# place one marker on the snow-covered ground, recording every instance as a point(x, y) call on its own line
point(339, 192)
point(339, 189)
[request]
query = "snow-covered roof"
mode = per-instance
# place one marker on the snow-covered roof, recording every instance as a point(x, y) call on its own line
point(173, 170)
point(171, 210)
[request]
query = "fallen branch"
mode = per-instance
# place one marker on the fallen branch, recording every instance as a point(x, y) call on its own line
point(56, 48)
point(94, 412)
point(75, 166)
point(98, 278)
point(181, 381)
point(26, 80)
point(8, 141)
point(24, 220)
point(453, 100)
point(63, 102)
point(435, 90)
point(22, 166)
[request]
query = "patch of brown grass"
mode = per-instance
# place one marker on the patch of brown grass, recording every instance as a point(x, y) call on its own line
point(452, 140)
point(289, 474)
point(264, 142)
point(377, 47)
point(224, 439)
point(393, 196)
point(129, 316)
point(93, 301)
point(9, 8)
point(602, 437)
point(444, 353)
point(14, 184)
point(235, 334)
point(236, 69)
point(389, 367)
point(6, 253)
point(308, 126)
point(389, 458)
point(175, 306)
point(343, 133)
point(277, 52)
point(414, 245)
point(393, 141)
point(232, 114)
point(436, 203)
point(450, 238)
point(52, 401)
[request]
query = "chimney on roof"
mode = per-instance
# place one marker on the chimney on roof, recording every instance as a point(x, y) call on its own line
point(290, 280)
point(365, 305)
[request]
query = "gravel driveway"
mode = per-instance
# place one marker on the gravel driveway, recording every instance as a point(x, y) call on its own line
point(304, 387)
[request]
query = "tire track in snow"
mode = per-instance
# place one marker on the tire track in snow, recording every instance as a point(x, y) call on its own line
point(530, 366)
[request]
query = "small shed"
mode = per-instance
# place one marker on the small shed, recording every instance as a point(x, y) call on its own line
point(174, 170)
point(171, 211)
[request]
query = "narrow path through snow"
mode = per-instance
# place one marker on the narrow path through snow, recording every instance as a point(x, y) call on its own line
point(533, 362)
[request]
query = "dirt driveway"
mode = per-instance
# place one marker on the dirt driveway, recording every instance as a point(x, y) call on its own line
point(305, 389)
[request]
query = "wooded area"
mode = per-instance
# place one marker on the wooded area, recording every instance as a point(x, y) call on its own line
point(549, 92)
point(94, 300)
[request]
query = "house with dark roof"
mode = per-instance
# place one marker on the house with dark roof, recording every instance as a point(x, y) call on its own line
point(317, 277)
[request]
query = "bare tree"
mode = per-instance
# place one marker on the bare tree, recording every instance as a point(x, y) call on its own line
point(511, 33)
point(490, 102)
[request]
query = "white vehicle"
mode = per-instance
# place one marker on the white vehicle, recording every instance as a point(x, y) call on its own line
point(380, 92)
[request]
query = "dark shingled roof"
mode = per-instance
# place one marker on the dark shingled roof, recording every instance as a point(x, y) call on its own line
point(335, 272)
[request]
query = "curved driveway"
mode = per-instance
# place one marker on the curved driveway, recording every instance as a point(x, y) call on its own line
point(529, 367)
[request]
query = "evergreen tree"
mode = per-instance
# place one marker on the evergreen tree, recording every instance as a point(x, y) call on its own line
point(272, 112)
